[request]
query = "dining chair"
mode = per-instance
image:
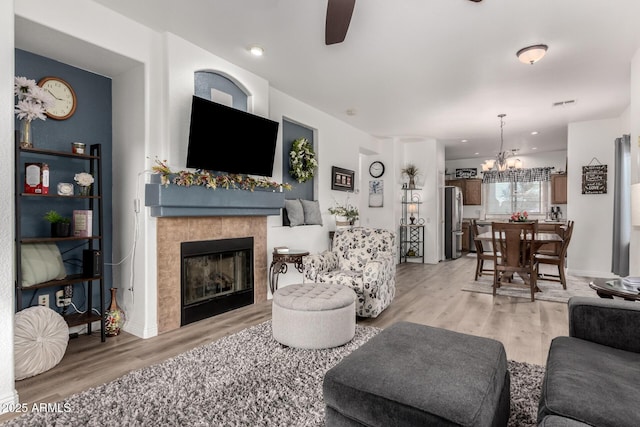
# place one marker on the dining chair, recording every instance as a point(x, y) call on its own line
point(482, 254)
point(558, 260)
point(514, 242)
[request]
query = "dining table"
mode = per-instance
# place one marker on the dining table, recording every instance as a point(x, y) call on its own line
point(540, 238)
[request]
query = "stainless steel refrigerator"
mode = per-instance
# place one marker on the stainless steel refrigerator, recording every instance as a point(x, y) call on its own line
point(452, 222)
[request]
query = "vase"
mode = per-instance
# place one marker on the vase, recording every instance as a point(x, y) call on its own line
point(25, 134)
point(113, 317)
point(84, 190)
point(412, 183)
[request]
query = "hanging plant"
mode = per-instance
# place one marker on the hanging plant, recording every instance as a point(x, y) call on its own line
point(302, 160)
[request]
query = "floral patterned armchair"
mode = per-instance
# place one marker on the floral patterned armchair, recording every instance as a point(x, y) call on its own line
point(362, 259)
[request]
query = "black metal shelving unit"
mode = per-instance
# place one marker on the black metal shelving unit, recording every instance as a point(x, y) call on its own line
point(94, 203)
point(411, 231)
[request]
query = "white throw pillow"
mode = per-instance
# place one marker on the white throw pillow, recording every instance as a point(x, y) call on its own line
point(40, 340)
point(41, 262)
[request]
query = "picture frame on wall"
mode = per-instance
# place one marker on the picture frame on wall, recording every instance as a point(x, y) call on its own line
point(342, 179)
point(376, 193)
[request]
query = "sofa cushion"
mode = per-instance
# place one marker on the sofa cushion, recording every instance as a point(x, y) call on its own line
point(556, 421)
point(295, 213)
point(591, 383)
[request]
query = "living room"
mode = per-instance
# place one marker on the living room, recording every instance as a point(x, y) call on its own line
point(152, 75)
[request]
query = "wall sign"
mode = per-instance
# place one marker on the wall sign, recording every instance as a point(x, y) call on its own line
point(342, 179)
point(466, 172)
point(594, 179)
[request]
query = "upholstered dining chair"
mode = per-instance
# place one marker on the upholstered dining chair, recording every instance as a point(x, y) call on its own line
point(559, 259)
point(514, 242)
point(482, 254)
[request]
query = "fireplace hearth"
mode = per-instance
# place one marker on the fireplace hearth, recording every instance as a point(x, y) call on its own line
point(216, 277)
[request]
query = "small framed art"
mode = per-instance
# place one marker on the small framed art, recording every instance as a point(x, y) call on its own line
point(342, 179)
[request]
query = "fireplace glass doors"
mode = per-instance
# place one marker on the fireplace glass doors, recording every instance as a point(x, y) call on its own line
point(217, 276)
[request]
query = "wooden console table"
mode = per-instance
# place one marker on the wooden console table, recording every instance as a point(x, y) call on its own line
point(279, 265)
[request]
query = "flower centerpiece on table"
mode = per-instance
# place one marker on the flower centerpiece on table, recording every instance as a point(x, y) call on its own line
point(32, 103)
point(84, 180)
point(345, 214)
point(302, 160)
point(520, 216)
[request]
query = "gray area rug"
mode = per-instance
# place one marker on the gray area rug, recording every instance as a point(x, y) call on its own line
point(245, 379)
point(551, 291)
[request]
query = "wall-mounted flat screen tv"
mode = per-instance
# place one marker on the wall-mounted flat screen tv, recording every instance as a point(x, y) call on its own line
point(229, 140)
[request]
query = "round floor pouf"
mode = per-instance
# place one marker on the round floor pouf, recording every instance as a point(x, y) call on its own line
point(40, 340)
point(314, 315)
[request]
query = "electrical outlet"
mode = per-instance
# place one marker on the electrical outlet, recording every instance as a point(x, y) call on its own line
point(43, 300)
point(61, 300)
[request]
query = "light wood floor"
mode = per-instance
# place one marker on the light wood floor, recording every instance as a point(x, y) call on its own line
point(426, 294)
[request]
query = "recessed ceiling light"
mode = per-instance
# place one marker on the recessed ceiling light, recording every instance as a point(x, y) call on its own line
point(256, 51)
point(535, 132)
point(476, 154)
point(534, 148)
point(465, 140)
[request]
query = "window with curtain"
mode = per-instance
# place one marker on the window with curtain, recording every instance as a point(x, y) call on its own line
point(516, 191)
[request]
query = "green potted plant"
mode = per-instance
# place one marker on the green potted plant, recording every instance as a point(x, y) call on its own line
point(60, 225)
point(345, 214)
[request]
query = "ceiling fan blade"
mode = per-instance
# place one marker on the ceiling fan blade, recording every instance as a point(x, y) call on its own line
point(338, 18)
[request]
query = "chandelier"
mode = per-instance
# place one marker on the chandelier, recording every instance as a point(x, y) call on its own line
point(504, 159)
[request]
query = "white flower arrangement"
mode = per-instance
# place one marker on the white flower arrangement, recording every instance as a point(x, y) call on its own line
point(83, 179)
point(33, 101)
point(302, 160)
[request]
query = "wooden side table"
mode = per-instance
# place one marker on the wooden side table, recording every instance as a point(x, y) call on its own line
point(279, 265)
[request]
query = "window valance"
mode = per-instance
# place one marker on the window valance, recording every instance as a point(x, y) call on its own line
point(517, 175)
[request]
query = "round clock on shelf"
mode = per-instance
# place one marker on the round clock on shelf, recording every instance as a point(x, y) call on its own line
point(64, 96)
point(376, 169)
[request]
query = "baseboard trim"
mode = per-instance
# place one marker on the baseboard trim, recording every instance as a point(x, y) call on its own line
point(140, 330)
point(7, 401)
point(587, 273)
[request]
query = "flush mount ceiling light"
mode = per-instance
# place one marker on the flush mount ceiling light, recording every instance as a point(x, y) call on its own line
point(532, 54)
point(256, 51)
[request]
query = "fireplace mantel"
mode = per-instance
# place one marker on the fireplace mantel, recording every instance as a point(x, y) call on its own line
point(179, 201)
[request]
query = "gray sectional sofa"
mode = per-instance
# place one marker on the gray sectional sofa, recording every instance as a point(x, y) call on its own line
point(593, 375)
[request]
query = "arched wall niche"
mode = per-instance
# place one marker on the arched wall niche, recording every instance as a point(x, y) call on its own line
point(222, 88)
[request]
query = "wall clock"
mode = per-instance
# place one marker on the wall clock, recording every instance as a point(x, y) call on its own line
point(64, 95)
point(376, 169)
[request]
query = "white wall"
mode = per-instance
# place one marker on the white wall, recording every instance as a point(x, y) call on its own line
point(425, 155)
point(337, 144)
point(8, 394)
point(590, 251)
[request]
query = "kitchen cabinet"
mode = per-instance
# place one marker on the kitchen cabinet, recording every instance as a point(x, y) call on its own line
point(471, 190)
point(465, 236)
point(559, 189)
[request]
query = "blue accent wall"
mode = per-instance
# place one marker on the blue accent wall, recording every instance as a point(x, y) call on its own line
point(90, 124)
point(290, 132)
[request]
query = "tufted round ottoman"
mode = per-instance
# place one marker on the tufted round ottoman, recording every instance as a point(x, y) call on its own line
point(314, 315)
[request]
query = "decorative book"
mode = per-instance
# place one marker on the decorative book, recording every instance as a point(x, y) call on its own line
point(82, 223)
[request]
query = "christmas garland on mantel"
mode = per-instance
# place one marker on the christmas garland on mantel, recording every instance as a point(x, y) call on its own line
point(208, 179)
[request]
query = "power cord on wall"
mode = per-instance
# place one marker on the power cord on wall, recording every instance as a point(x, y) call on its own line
point(136, 232)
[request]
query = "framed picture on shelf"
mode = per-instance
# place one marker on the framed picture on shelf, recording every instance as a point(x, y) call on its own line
point(342, 179)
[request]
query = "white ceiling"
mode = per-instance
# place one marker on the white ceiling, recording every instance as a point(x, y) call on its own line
point(427, 68)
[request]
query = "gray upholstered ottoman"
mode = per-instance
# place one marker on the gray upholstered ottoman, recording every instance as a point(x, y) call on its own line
point(314, 315)
point(416, 375)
